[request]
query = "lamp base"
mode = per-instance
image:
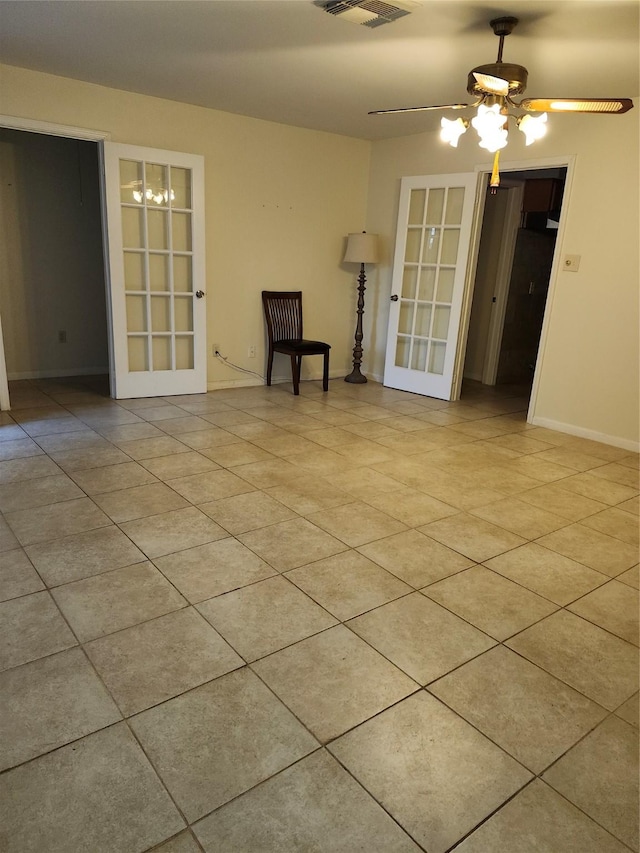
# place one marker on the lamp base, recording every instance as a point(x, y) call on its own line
point(355, 376)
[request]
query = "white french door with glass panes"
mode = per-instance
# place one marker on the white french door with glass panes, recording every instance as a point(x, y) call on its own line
point(435, 218)
point(155, 230)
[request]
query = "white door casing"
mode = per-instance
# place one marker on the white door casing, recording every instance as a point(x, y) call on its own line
point(154, 212)
point(435, 220)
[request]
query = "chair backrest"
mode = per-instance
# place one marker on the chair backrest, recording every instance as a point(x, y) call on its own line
point(283, 313)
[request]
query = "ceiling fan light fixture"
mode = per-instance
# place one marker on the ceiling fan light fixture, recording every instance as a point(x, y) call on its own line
point(451, 131)
point(490, 125)
point(533, 127)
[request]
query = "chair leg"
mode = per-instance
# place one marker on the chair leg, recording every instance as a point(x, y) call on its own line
point(269, 365)
point(295, 371)
point(325, 373)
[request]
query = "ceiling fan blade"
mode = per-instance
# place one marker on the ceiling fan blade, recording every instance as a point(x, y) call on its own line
point(576, 105)
point(420, 109)
point(490, 84)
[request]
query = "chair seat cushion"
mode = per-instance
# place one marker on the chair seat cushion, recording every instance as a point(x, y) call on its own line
point(301, 347)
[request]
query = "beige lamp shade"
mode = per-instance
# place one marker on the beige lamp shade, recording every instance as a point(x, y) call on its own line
point(362, 248)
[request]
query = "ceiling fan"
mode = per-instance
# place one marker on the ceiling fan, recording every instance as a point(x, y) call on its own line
point(494, 86)
point(503, 80)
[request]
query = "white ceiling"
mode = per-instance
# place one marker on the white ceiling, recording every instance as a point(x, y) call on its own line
point(289, 61)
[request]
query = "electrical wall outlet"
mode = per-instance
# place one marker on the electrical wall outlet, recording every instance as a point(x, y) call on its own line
point(215, 348)
point(251, 351)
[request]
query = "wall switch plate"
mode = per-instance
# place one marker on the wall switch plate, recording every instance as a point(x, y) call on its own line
point(571, 263)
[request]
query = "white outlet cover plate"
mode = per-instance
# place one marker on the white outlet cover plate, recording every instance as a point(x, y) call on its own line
point(571, 263)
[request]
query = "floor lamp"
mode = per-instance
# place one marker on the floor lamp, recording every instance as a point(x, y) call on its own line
point(361, 249)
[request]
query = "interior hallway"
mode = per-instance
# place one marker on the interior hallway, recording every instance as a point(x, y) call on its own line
point(363, 620)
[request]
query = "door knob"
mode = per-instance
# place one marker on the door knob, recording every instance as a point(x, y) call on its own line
point(393, 298)
point(199, 293)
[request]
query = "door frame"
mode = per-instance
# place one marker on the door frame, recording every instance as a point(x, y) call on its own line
point(69, 132)
point(483, 171)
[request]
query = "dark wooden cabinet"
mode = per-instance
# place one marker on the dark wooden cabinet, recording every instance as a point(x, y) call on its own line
point(542, 195)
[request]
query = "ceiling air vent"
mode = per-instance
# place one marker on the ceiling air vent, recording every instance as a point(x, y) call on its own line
point(370, 13)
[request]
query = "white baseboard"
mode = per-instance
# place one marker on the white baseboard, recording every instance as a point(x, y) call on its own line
point(53, 374)
point(594, 435)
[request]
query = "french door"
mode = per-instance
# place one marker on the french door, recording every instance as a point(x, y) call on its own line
point(155, 233)
point(435, 220)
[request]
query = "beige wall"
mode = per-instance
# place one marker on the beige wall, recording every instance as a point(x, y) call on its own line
point(51, 263)
point(588, 373)
point(279, 202)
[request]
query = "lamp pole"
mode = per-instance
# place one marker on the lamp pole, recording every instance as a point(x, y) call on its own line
point(362, 249)
point(356, 376)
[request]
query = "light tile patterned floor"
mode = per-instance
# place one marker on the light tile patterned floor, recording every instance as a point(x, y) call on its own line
point(364, 620)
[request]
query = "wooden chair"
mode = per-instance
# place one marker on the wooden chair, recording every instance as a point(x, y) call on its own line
point(283, 315)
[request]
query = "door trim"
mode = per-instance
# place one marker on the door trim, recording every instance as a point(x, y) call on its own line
point(52, 129)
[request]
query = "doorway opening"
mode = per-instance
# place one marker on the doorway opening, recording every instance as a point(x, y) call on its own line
point(515, 256)
point(52, 275)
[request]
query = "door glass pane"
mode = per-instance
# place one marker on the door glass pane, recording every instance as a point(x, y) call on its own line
point(441, 321)
point(436, 357)
point(409, 279)
point(161, 313)
point(427, 280)
point(131, 182)
point(132, 228)
point(182, 278)
point(412, 250)
point(184, 352)
point(434, 207)
point(416, 207)
point(431, 243)
point(157, 223)
point(455, 202)
point(423, 320)
point(136, 313)
point(402, 352)
point(158, 272)
point(161, 352)
point(419, 354)
point(157, 185)
point(450, 240)
point(445, 285)
point(134, 276)
point(406, 317)
point(183, 314)
point(138, 359)
point(180, 187)
point(181, 223)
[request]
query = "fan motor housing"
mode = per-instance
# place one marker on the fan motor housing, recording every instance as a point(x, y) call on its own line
point(515, 75)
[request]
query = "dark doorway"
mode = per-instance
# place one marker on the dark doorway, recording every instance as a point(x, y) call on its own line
point(516, 252)
point(52, 280)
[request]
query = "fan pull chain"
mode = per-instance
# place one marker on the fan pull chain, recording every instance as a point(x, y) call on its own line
point(495, 174)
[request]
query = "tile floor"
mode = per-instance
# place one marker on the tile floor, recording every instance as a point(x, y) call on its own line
point(356, 621)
